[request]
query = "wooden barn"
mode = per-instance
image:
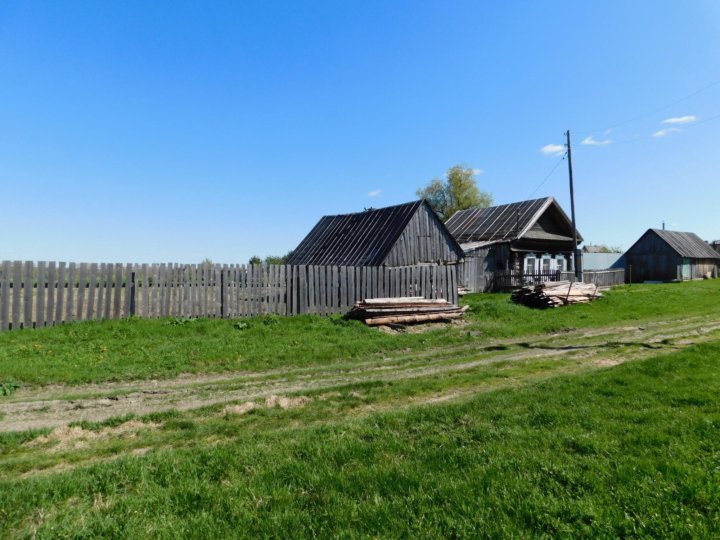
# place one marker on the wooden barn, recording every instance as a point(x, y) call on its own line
point(403, 235)
point(661, 255)
point(528, 237)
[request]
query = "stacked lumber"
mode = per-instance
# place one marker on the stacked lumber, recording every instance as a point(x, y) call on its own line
point(556, 293)
point(414, 309)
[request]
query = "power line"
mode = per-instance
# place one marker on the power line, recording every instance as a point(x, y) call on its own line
point(664, 107)
point(549, 174)
point(702, 121)
point(680, 130)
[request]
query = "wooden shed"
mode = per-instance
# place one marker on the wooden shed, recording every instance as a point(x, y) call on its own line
point(661, 255)
point(403, 235)
point(527, 237)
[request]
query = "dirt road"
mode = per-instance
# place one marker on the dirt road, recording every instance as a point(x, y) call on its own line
point(53, 406)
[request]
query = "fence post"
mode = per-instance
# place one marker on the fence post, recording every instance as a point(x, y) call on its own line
point(132, 294)
point(222, 293)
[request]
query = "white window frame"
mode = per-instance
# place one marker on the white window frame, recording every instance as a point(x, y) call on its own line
point(526, 260)
point(546, 257)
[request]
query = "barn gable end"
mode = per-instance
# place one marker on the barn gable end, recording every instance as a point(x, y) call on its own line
point(660, 255)
point(424, 240)
point(400, 235)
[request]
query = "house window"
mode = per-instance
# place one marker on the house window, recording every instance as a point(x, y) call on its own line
point(530, 264)
point(560, 263)
point(546, 264)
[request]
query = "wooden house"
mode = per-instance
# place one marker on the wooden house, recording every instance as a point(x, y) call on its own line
point(661, 255)
point(715, 244)
point(403, 235)
point(528, 237)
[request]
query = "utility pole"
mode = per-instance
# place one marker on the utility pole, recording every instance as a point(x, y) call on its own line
point(576, 266)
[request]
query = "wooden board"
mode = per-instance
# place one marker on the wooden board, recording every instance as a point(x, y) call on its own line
point(60, 297)
point(5, 296)
point(70, 300)
point(108, 280)
point(40, 295)
point(82, 287)
point(92, 278)
point(28, 288)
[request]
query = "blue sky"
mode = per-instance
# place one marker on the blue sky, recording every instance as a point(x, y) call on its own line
point(175, 131)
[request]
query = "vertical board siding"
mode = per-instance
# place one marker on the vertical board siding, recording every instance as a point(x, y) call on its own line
point(33, 295)
point(92, 278)
point(424, 240)
point(5, 296)
point(17, 289)
point(51, 293)
point(70, 302)
point(100, 291)
point(28, 288)
point(40, 296)
point(82, 285)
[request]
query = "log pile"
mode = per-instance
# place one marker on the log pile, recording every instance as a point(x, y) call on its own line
point(556, 293)
point(381, 311)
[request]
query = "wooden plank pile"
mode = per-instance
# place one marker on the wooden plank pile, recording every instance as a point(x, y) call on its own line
point(552, 294)
point(414, 309)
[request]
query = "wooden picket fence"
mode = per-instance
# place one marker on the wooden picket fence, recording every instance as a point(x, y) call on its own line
point(601, 278)
point(35, 295)
point(605, 278)
point(508, 280)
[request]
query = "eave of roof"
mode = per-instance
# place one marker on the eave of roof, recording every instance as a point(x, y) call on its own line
point(505, 222)
point(687, 244)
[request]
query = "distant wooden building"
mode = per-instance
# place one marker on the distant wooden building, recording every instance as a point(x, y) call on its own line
point(531, 237)
point(402, 235)
point(661, 255)
point(715, 245)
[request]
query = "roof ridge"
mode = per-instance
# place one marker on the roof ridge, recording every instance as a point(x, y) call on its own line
point(384, 208)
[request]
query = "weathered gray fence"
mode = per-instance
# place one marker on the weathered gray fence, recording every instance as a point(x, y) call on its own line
point(601, 278)
point(476, 271)
point(34, 295)
point(505, 280)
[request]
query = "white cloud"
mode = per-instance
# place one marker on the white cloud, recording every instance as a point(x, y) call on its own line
point(689, 119)
point(589, 141)
point(375, 193)
point(553, 149)
point(478, 172)
point(665, 132)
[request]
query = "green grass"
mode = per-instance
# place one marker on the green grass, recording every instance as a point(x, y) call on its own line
point(139, 349)
point(628, 451)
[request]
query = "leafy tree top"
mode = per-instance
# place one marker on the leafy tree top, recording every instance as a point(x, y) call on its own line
point(458, 191)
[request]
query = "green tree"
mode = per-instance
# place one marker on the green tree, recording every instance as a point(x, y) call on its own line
point(275, 259)
point(255, 260)
point(458, 191)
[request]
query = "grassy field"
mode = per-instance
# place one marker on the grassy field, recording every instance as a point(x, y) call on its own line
point(520, 423)
point(142, 349)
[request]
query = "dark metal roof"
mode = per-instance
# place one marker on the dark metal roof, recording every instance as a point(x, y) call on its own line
point(360, 239)
point(687, 244)
point(502, 223)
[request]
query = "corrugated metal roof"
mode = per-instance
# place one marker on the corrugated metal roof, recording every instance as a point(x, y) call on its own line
point(359, 239)
point(505, 222)
point(687, 244)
